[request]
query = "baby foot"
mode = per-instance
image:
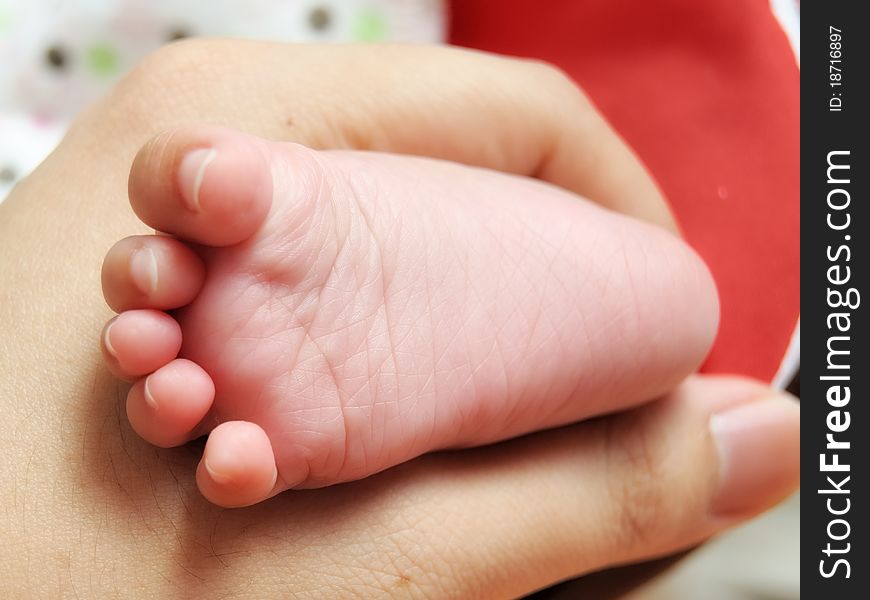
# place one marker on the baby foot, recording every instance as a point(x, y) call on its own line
point(337, 313)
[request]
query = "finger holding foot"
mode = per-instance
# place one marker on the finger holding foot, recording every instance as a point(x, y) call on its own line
point(138, 342)
point(205, 184)
point(151, 271)
point(629, 487)
point(167, 407)
point(238, 465)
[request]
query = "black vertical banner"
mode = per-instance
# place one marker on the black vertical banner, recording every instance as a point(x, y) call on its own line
point(835, 371)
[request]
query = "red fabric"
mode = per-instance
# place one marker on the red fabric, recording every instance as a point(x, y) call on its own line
point(707, 93)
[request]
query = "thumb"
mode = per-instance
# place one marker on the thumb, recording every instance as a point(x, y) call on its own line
point(622, 489)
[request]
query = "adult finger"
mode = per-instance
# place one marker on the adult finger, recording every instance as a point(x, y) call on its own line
point(512, 115)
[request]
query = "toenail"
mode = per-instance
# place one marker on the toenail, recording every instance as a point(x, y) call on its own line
point(143, 270)
point(217, 476)
point(191, 172)
point(107, 341)
point(149, 399)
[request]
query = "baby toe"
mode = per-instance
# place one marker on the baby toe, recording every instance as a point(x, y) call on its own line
point(151, 271)
point(137, 342)
point(238, 465)
point(166, 407)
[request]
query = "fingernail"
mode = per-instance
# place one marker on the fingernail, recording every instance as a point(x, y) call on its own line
point(217, 475)
point(107, 341)
point(143, 270)
point(191, 172)
point(149, 398)
point(759, 454)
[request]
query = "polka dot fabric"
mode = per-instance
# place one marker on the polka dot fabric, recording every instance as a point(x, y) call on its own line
point(58, 56)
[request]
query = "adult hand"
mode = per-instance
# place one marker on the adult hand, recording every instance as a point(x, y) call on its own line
point(91, 510)
point(511, 115)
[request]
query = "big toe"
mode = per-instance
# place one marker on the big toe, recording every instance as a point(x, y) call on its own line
point(209, 185)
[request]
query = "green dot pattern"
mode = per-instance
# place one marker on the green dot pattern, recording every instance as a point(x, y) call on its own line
point(371, 26)
point(102, 60)
point(5, 20)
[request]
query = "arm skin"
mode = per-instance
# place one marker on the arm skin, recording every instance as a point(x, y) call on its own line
point(91, 511)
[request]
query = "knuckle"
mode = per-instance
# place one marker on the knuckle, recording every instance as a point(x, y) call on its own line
point(551, 80)
point(553, 95)
point(178, 59)
point(547, 71)
point(637, 481)
point(168, 67)
point(186, 69)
